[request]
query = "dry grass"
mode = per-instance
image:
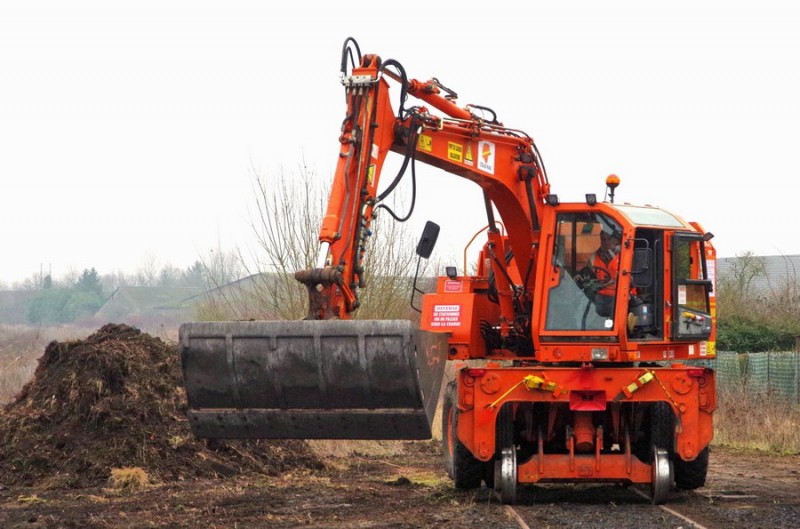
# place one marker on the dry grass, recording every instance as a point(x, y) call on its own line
point(746, 420)
point(20, 349)
point(346, 448)
point(128, 479)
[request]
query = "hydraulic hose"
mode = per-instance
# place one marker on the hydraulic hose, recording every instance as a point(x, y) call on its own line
point(347, 51)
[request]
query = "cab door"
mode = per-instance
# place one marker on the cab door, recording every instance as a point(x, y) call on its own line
point(691, 288)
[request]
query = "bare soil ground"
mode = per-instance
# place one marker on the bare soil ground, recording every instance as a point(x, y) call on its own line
point(114, 401)
point(409, 489)
point(746, 489)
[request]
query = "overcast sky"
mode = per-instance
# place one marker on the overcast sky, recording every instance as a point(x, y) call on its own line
point(129, 130)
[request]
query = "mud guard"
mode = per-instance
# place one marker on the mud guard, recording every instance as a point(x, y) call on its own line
point(327, 379)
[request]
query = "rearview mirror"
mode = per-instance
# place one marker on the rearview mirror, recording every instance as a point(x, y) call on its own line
point(428, 240)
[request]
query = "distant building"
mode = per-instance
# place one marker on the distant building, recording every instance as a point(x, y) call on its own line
point(148, 305)
point(762, 275)
point(240, 299)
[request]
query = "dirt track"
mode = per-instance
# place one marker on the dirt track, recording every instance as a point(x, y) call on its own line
point(409, 489)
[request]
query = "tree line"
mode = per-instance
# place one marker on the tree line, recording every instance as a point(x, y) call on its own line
point(79, 295)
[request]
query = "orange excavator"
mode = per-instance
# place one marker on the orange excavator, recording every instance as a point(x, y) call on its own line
point(569, 368)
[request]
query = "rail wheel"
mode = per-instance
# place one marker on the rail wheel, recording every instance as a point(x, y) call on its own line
point(466, 471)
point(689, 475)
point(505, 475)
point(661, 476)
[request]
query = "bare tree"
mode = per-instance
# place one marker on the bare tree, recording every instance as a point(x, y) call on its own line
point(287, 217)
point(114, 280)
point(390, 265)
point(168, 276)
point(747, 268)
point(288, 210)
point(222, 267)
point(749, 292)
point(147, 273)
point(736, 289)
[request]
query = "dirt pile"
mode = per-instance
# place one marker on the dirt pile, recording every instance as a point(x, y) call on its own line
point(116, 400)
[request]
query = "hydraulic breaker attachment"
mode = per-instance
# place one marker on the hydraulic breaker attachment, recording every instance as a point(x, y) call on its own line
point(326, 379)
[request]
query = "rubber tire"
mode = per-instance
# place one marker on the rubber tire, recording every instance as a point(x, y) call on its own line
point(447, 418)
point(504, 429)
point(662, 426)
point(659, 428)
point(690, 475)
point(504, 437)
point(464, 469)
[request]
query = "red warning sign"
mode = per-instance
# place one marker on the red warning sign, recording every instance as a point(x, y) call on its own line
point(446, 316)
point(452, 286)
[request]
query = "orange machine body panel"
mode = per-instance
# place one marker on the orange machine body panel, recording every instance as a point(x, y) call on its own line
point(609, 393)
point(457, 308)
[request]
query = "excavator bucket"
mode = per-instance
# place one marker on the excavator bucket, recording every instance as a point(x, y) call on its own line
point(326, 379)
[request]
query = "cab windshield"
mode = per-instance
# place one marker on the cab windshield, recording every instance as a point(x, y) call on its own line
point(585, 259)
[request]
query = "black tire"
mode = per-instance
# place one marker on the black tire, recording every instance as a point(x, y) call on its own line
point(504, 429)
point(503, 438)
point(464, 469)
point(690, 475)
point(662, 426)
point(659, 430)
point(447, 425)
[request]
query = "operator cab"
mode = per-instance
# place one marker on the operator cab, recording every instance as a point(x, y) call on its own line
point(620, 270)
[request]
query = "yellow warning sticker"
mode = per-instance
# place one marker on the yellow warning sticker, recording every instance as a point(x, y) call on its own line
point(370, 173)
point(455, 151)
point(425, 143)
point(468, 155)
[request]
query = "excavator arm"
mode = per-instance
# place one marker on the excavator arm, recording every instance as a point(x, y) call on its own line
point(329, 376)
point(503, 162)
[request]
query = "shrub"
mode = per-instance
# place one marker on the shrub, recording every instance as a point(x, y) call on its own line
point(739, 334)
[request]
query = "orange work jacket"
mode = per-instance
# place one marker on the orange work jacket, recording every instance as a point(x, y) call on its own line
point(612, 267)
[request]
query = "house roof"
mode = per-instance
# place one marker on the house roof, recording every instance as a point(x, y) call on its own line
point(136, 300)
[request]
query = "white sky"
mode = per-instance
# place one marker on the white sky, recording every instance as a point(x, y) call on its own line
point(128, 129)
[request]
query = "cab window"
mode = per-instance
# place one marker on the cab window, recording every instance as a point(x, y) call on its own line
point(579, 298)
point(691, 288)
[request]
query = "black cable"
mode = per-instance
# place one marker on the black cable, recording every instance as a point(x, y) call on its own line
point(410, 149)
point(528, 274)
point(347, 51)
point(403, 85)
point(493, 120)
point(413, 189)
point(541, 162)
point(411, 146)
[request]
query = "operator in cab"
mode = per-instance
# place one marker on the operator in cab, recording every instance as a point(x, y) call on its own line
point(604, 264)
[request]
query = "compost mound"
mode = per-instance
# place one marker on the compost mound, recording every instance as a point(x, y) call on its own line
point(116, 400)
